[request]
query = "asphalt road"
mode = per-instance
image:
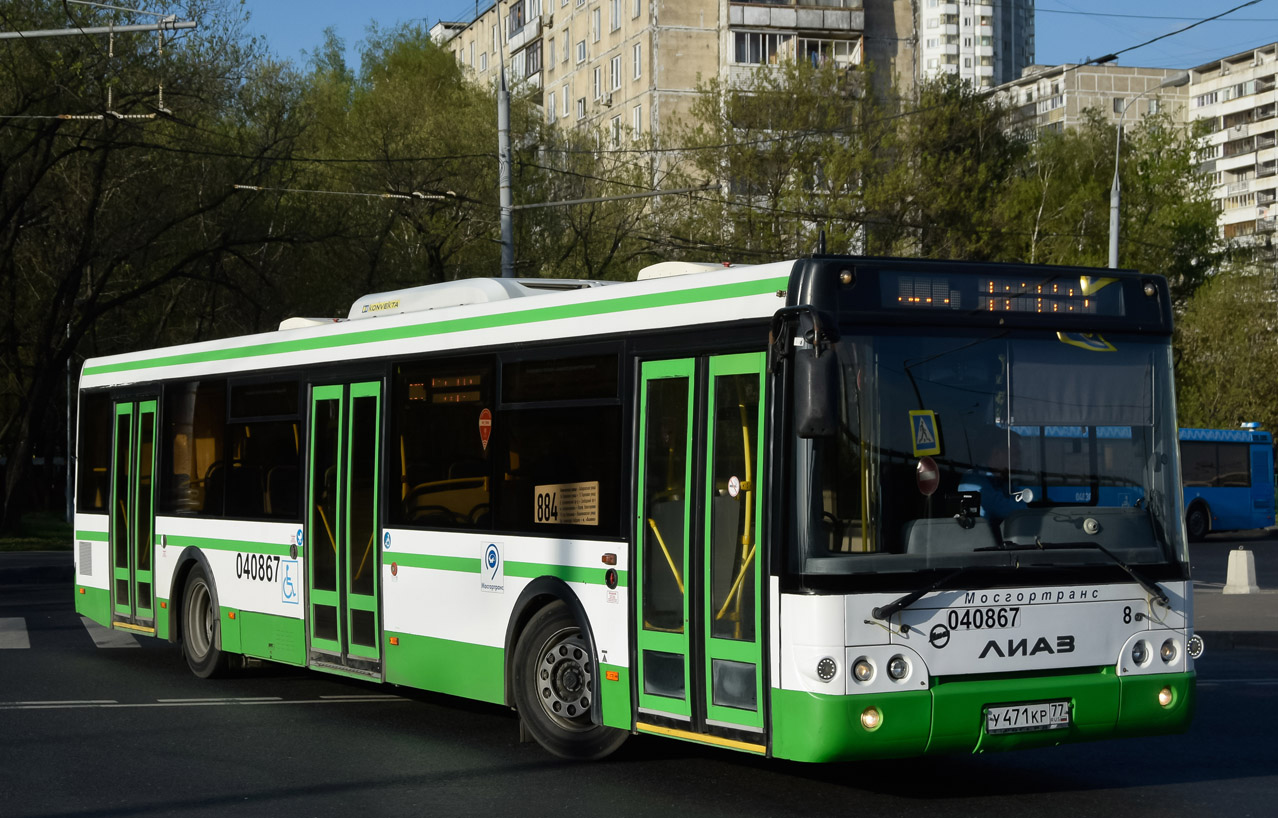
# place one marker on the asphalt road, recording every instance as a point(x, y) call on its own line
point(127, 731)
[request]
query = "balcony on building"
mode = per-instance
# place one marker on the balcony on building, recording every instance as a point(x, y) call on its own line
point(809, 15)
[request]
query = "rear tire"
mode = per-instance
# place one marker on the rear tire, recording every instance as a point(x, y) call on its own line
point(555, 683)
point(1197, 523)
point(200, 626)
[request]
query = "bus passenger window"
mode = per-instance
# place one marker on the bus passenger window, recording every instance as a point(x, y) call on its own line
point(442, 417)
point(94, 442)
point(193, 478)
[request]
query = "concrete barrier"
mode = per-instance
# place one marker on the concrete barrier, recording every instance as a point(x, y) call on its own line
point(1240, 578)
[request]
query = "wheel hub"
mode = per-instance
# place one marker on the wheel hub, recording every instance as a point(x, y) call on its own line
point(565, 680)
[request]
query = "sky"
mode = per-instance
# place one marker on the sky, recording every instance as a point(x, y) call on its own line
point(1065, 30)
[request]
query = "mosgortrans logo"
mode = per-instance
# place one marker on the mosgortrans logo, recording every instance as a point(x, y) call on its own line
point(492, 570)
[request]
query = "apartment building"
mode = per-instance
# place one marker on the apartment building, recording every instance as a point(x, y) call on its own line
point(986, 42)
point(630, 66)
point(1055, 97)
point(1237, 96)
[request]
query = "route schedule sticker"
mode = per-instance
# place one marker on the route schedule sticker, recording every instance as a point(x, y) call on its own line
point(567, 504)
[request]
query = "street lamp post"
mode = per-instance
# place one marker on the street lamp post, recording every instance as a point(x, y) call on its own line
point(1171, 82)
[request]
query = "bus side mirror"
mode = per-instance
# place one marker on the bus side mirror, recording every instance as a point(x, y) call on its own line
point(816, 383)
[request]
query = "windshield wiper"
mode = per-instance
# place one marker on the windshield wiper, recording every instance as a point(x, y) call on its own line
point(885, 612)
point(1038, 545)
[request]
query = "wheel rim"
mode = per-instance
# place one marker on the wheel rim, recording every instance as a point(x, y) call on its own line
point(1197, 523)
point(565, 679)
point(199, 621)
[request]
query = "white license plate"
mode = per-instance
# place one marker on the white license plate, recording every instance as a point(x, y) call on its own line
point(1025, 718)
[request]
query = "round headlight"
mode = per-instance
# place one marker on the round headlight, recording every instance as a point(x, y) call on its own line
point(898, 668)
point(871, 718)
point(1168, 651)
point(1140, 652)
point(1165, 697)
point(862, 670)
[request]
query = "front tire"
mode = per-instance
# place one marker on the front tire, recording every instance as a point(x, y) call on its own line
point(1197, 523)
point(555, 682)
point(200, 626)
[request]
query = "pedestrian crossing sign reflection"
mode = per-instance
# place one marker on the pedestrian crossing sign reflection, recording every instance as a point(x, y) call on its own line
point(923, 432)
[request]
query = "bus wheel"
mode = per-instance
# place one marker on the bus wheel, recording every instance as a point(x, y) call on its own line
point(1196, 523)
point(555, 682)
point(199, 626)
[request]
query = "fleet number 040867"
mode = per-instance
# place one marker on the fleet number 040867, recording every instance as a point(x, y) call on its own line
point(983, 618)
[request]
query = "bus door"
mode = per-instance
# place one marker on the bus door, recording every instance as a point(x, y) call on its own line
point(1262, 485)
point(698, 591)
point(342, 539)
point(132, 526)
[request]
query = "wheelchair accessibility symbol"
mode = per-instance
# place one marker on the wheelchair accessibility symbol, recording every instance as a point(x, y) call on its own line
point(386, 540)
point(289, 591)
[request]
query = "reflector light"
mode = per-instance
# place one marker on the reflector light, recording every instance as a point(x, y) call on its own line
point(609, 559)
point(231, 615)
point(394, 640)
point(612, 675)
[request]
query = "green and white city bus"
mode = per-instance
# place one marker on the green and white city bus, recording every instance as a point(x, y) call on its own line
point(794, 509)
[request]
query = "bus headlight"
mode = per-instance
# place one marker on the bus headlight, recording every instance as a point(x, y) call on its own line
point(898, 668)
point(862, 670)
point(1195, 647)
point(1140, 653)
point(1168, 651)
point(1165, 697)
point(871, 718)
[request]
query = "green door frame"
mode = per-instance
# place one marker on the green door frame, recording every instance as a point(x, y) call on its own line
point(654, 642)
point(745, 578)
point(661, 555)
point(343, 588)
point(132, 519)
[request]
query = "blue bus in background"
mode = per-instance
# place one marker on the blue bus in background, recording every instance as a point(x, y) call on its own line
point(1228, 476)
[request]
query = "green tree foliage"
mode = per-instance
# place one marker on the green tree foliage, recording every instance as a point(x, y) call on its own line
point(1056, 207)
point(790, 151)
point(945, 166)
point(119, 233)
point(1226, 353)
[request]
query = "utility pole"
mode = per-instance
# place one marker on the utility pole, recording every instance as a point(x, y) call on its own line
point(503, 159)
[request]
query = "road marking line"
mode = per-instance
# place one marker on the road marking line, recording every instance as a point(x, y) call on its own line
point(108, 638)
point(13, 633)
point(1218, 682)
point(222, 700)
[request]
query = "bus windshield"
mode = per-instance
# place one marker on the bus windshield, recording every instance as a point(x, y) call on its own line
point(961, 448)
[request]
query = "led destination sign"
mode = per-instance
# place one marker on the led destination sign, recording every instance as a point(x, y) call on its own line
point(1059, 295)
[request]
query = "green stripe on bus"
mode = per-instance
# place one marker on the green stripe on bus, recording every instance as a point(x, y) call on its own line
point(274, 549)
point(97, 536)
point(525, 570)
point(558, 313)
point(465, 565)
point(568, 573)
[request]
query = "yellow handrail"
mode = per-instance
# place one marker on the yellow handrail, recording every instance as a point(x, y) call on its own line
point(678, 580)
point(736, 585)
